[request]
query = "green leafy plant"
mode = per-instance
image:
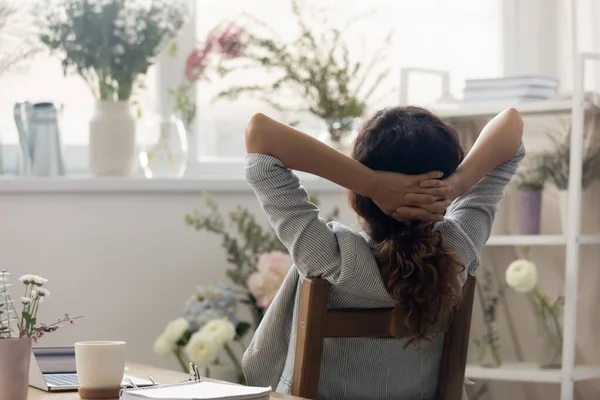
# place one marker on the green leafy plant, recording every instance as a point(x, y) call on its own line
point(224, 41)
point(109, 43)
point(244, 240)
point(532, 175)
point(315, 67)
point(25, 324)
point(522, 276)
point(489, 296)
point(555, 163)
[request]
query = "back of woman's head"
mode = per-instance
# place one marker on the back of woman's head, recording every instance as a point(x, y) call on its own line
point(418, 270)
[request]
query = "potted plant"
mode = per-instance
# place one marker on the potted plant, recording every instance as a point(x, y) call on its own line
point(258, 259)
point(487, 345)
point(521, 275)
point(170, 155)
point(316, 68)
point(18, 330)
point(208, 328)
point(111, 44)
point(555, 164)
point(530, 184)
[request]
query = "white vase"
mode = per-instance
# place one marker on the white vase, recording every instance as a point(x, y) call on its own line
point(15, 355)
point(112, 139)
point(563, 204)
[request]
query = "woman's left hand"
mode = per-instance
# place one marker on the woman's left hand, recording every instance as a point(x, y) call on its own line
point(411, 197)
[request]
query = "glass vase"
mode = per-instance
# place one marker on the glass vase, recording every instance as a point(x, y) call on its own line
point(165, 150)
point(487, 347)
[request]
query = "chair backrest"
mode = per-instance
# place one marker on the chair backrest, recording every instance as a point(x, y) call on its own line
point(316, 322)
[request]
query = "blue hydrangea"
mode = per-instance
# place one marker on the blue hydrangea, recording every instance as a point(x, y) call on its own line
point(213, 302)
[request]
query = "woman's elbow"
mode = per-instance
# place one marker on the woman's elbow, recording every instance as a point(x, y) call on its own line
point(255, 132)
point(515, 118)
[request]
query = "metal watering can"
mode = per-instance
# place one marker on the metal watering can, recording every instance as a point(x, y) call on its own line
point(39, 136)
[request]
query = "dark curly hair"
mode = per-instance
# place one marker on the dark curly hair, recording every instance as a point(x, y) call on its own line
point(419, 271)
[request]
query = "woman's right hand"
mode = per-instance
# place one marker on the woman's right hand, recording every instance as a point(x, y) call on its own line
point(410, 197)
point(427, 207)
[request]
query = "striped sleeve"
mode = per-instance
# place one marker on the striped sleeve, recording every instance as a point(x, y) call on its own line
point(312, 244)
point(475, 210)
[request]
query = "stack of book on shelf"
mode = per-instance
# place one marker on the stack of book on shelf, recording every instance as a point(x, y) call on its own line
point(510, 89)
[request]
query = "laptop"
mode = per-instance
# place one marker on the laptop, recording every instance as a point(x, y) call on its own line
point(53, 369)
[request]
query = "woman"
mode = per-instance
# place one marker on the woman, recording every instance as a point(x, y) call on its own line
point(409, 256)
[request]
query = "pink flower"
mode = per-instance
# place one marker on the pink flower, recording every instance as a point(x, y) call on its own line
point(196, 62)
point(230, 41)
point(266, 281)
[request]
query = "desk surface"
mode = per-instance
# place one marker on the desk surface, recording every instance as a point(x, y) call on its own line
point(142, 371)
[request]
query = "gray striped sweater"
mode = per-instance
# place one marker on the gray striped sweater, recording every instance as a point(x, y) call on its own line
point(353, 368)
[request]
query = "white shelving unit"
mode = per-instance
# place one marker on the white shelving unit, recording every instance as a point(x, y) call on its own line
point(571, 239)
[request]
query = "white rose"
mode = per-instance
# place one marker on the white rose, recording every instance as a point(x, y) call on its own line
point(521, 275)
point(202, 349)
point(221, 330)
point(175, 329)
point(163, 346)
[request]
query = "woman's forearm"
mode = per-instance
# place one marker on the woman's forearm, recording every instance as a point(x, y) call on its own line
point(302, 152)
point(498, 141)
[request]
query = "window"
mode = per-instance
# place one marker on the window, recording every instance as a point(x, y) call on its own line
point(461, 36)
point(41, 79)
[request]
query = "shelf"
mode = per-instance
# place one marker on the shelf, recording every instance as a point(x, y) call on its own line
point(460, 110)
point(526, 240)
point(538, 240)
point(136, 185)
point(526, 372)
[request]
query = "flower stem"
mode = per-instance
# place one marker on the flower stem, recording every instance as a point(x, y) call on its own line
point(236, 363)
point(545, 307)
point(182, 363)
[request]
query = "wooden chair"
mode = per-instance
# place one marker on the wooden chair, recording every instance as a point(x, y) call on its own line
point(316, 322)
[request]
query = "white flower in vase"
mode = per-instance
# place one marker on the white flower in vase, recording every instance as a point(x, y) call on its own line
point(221, 330)
point(175, 329)
point(167, 341)
point(202, 349)
point(521, 275)
point(163, 347)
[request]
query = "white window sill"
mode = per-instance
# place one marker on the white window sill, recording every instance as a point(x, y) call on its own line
point(208, 174)
point(82, 185)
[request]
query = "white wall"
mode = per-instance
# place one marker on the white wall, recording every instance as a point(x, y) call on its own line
point(126, 262)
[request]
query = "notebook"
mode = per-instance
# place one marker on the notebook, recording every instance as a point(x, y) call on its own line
point(196, 390)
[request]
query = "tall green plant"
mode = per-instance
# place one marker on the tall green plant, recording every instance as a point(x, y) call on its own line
point(316, 68)
point(556, 162)
point(532, 175)
point(109, 43)
point(244, 240)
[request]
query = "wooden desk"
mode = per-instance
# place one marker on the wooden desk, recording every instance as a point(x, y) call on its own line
point(141, 371)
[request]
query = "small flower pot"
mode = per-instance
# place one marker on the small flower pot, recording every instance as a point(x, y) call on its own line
point(530, 211)
point(15, 355)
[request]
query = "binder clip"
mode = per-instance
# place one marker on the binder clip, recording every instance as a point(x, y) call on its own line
point(194, 373)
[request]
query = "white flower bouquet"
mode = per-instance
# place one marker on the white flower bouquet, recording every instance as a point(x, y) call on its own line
point(25, 323)
point(208, 328)
point(110, 43)
point(259, 261)
point(522, 276)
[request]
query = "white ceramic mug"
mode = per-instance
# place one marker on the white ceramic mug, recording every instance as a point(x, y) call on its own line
point(100, 365)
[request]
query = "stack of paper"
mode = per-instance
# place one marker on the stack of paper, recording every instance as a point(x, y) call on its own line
point(198, 391)
point(511, 89)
